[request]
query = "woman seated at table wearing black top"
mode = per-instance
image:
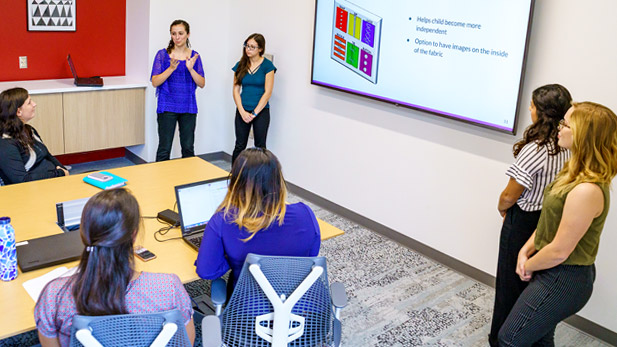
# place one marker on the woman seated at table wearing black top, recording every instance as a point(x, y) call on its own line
point(23, 156)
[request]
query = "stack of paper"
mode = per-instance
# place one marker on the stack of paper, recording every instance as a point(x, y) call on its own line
point(35, 286)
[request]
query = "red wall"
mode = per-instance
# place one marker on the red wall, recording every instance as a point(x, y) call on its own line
point(97, 47)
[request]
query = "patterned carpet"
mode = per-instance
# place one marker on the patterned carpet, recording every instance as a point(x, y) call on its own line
point(397, 297)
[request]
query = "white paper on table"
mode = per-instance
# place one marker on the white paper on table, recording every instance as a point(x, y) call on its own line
point(36, 285)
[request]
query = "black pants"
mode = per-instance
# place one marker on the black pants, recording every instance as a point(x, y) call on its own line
point(260, 131)
point(167, 128)
point(552, 295)
point(518, 226)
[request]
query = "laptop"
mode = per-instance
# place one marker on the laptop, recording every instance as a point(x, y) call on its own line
point(69, 213)
point(49, 250)
point(197, 203)
point(86, 81)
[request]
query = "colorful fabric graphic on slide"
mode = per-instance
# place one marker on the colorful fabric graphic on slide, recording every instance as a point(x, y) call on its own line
point(355, 39)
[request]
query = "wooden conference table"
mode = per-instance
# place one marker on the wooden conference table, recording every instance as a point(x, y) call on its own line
point(31, 207)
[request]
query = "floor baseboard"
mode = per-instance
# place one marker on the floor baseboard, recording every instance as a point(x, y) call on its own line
point(134, 158)
point(207, 157)
point(215, 156)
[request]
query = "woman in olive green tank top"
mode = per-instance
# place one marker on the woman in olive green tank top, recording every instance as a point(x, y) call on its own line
point(558, 258)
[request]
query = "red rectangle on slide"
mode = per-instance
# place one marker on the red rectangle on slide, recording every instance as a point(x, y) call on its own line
point(341, 19)
point(338, 56)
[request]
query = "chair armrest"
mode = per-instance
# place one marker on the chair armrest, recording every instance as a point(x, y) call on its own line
point(211, 331)
point(337, 330)
point(218, 294)
point(339, 296)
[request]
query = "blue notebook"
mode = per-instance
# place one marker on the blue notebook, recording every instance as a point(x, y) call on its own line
point(114, 182)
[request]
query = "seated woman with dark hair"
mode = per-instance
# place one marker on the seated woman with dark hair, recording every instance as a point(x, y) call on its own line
point(23, 156)
point(254, 218)
point(106, 281)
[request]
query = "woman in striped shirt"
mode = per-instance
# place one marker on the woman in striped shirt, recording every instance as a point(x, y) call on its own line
point(538, 160)
point(558, 259)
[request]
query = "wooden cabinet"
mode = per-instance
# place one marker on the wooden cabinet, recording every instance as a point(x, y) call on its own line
point(48, 121)
point(74, 122)
point(103, 119)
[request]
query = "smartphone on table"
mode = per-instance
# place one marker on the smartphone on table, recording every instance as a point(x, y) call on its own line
point(101, 177)
point(144, 254)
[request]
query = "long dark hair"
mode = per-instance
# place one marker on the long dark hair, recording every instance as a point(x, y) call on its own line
point(244, 64)
point(10, 124)
point(552, 101)
point(257, 191)
point(109, 224)
point(187, 27)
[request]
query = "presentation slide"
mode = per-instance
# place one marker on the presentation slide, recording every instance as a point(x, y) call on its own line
point(459, 59)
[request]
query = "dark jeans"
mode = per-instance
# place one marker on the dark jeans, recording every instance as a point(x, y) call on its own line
point(552, 295)
point(260, 131)
point(517, 228)
point(167, 128)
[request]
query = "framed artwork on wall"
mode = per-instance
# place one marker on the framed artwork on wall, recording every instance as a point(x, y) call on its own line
point(51, 15)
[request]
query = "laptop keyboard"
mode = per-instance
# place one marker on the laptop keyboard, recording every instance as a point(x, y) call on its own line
point(196, 241)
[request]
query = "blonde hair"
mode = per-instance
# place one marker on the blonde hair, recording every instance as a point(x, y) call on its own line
point(257, 191)
point(594, 148)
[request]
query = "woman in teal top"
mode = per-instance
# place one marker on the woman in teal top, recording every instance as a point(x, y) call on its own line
point(558, 258)
point(253, 82)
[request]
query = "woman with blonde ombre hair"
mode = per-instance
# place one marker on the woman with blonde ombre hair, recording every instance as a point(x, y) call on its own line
point(558, 259)
point(254, 218)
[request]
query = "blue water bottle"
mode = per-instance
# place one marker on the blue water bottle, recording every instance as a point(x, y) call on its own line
point(8, 253)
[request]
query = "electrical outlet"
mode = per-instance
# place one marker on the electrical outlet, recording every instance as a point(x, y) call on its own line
point(23, 62)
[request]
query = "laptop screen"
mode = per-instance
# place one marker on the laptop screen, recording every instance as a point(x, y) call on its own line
point(72, 66)
point(198, 201)
point(69, 213)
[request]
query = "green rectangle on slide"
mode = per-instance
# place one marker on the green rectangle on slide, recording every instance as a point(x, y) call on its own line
point(352, 54)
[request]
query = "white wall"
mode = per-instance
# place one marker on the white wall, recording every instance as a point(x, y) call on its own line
point(137, 34)
point(432, 179)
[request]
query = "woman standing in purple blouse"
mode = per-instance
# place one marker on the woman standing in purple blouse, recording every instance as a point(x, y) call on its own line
point(176, 73)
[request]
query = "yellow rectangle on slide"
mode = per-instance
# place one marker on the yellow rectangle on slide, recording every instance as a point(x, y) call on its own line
point(356, 32)
point(350, 25)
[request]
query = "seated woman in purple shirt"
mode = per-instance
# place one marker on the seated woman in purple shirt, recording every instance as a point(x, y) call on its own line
point(254, 218)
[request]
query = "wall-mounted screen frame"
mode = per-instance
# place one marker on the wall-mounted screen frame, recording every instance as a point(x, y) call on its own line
point(463, 60)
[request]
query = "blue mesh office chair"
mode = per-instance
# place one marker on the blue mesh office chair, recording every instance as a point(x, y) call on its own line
point(279, 301)
point(150, 329)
